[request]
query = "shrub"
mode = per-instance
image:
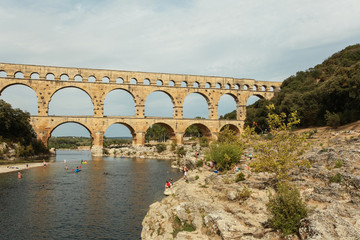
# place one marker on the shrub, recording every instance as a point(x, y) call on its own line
point(332, 119)
point(105, 151)
point(225, 154)
point(181, 151)
point(199, 163)
point(178, 226)
point(204, 141)
point(240, 177)
point(160, 147)
point(196, 177)
point(244, 194)
point(338, 164)
point(173, 145)
point(335, 179)
point(286, 209)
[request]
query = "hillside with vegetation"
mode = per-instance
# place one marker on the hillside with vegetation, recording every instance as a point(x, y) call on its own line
point(327, 94)
point(17, 137)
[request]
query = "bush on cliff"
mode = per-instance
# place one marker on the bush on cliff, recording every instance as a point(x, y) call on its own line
point(282, 153)
point(286, 208)
point(226, 151)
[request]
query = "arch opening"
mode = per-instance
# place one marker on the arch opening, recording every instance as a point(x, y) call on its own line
point(231, 127)
point(119, 102)
point(207, 85)
point(71, 101)
point(237, 86)
point(22, 97)
point(159, 104)
point(159, 132)
point(91, 79)
point(196, 105)
point(50, 76)
point(118, 135)
point(159, 82)
point(64, 77)
point(246, 87)
point(119, 80)
point(146, 81)
point(196, 131)
point(19, 75)
point(3, 74)
point(35, 76)
point(70, 135)
point(133, 81)
point(172, 83)
point(227, 107)
point(218, 85)
point(105, 80)
point(183, 84)
point(196, 85)
point(227, 86)
point(78, 78)
point(253, 99)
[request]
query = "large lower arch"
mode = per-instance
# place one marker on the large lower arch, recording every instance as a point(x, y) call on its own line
point(125, 103)
point(72, 131)
point(125, 131)
point(159, 104)
point(231, 127)
point(196, 105)
point(71, 101)
point(20, 96)
point(205, 131)
point(169, 130)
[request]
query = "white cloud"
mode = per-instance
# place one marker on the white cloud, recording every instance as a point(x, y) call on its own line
point(263, 40)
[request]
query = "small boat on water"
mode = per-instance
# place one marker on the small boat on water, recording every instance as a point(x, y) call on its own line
point(77, 170)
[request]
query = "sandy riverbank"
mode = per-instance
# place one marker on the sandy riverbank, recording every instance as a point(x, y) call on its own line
point(18, 167)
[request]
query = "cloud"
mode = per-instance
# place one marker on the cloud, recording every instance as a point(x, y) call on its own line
point(263, 40)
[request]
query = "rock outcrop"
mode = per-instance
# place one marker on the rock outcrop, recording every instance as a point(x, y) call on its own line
point(216, 206)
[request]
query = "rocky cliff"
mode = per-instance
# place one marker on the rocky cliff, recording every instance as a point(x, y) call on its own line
point(218, 206)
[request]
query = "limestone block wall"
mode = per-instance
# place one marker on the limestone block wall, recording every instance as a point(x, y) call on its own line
point(97, 83)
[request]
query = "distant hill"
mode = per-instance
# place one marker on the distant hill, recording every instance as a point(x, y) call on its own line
point(328, 93)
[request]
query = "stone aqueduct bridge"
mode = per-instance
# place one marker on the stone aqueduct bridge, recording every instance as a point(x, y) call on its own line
point(47, 80)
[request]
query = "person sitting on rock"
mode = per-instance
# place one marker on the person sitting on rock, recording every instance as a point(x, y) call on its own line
point(167, 185)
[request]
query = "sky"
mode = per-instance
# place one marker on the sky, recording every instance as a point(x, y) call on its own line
point(266, 40)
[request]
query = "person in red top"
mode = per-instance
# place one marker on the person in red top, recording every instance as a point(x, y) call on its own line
point(167, 185)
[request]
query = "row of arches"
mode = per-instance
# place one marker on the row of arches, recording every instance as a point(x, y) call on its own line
point(146, 81)
point(122, 130)
point(119, 102)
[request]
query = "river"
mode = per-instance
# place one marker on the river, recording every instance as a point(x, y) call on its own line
point(108, 199)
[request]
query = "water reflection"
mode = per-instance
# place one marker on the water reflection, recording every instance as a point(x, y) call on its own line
point(52, 203)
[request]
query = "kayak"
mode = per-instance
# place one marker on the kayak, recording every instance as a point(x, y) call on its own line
point(77, 170)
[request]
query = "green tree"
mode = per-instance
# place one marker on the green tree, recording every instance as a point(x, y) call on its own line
point(280, 156)
point(226, 151)
point(282, 153)
point(157, 132)
point(286, 208)
point(15, 124)
point(332, 86)
point(15, 127)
